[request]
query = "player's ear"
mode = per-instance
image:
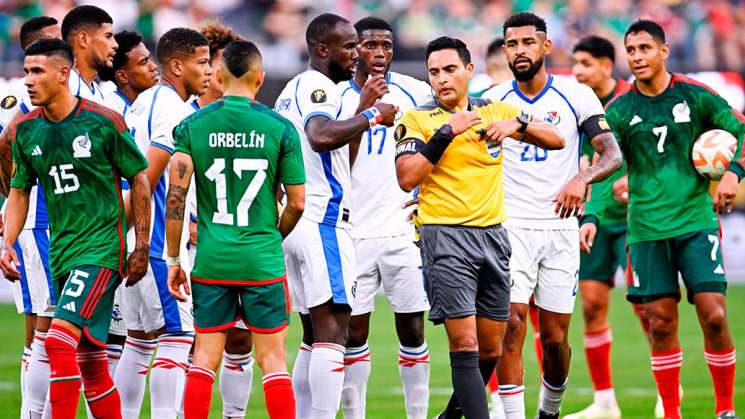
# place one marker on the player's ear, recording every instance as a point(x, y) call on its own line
point(121, 77)
point(665, 51)
point(260, 80)
point(63, 74)
point(547, 46)
point(82, 39)
point(176, 66)
point(469, 70)
point(322, 50)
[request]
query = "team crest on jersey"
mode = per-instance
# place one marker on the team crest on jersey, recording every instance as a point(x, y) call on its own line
point(8, 102)
point(681, 112)
point(318, 96)
point(400, 132)
point(81, 146)
point(493, 148)
point(552, 117)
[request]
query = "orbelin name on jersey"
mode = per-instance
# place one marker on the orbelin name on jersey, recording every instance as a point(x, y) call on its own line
point(237, 139)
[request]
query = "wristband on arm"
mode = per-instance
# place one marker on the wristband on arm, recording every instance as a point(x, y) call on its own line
point(373, 115)
point(436, 146)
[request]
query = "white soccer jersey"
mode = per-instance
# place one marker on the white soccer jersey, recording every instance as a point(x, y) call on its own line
point(533, 177)
point(377, 198)
point(151, 119)
point(328, 180)
point(118, 102)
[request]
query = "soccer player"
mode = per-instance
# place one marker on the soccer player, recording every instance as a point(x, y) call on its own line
point(384, 239)
point(496, 69)
point(133, 71)
point(451, 149)
point(77, 151)
point(594, 58)
point(672, 220)
point(544, 191)
point(33, 293)
point(319, 254)
point(238, 151)
point(154, 318)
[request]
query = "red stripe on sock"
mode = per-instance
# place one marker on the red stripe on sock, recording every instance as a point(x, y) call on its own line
point(668, 382)
point(598, 359)
point(279, 397)
point(723, 377)
point(64, 386)
point(198, 393)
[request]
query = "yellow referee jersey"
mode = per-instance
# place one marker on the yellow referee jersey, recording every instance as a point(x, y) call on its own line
point(465, 186)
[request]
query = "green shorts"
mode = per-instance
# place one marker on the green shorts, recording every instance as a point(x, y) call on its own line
point(608, 253)
point(697, 256)
point(85, 298)
point(265, 308)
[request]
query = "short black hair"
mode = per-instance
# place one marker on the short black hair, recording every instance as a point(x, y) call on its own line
point(372, 23)
point(179, 41)
point(31, 28)
point(49, 47)
point(495, 47)
point(240, 56)
point(127, 40)
point(82, 16)
point(446, 42)
point(218, 36)
point(597, 46)
point(321, 26)
point(524, 19)
point(649, 26)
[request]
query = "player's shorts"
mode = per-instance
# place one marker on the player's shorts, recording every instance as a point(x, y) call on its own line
point(263, 308)
point(697, 256)
point(150, 307)
point(86, 297)
point(320, 264)
point(394, 262)
point(607, 255)
point(544, 263)
point(34, 292)
point(466, 271)
point(118, 327)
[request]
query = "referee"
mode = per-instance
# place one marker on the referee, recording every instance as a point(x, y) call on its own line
point(452, 149)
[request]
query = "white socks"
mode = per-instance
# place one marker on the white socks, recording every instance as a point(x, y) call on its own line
point(300, 384)
point(114, 353)
point(326, 378)
point(513, 400)
point(24, 369)
point(413, 365)
point(551, 396)
point(236, 377)
point(131, 374)
point(168, 374)
point(356, 374)
point(37, 377)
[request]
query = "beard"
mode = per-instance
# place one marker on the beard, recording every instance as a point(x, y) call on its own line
point(338, 73)
point(526, 75)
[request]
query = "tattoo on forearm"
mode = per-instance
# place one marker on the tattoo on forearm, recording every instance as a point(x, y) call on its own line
point(181, 170)
point(140, 201)
point(176, 202)
point(610, 158)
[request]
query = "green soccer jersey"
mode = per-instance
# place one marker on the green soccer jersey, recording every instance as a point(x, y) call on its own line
point(656, 134)
point(79, 162)
point(241, 150)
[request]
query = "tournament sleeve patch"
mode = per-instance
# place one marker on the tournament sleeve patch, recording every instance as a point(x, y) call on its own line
point(318, 96)
point(8, 102)
point(408, 146)
point(595, 125)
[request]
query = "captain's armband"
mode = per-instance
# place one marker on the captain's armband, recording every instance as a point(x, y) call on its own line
point(408, 146)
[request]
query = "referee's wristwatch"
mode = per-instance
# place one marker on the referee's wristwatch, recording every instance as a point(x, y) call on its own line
point(524, 119)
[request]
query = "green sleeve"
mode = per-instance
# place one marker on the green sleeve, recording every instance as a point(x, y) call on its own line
point(720, 115)
point(124, 154)
point(181, 139)
point(23, 174)
point(291, 168)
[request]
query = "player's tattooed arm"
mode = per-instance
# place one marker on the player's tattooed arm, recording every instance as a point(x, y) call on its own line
point(6, 154)
point(179, 176)
point(139, 197)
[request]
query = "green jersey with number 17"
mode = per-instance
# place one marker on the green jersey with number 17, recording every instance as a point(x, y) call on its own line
point(241, 151)
point(667, 197)
point(79, 162)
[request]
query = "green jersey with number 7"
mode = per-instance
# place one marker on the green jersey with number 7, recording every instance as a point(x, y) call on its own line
point(241, 151)
point(667, 197)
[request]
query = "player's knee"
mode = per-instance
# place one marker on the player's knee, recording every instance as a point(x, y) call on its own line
point(593, 310)
point(662, 328)
point(412, 338)
point(239, 343)
point(489, 352)
point(714, 322)
point(516, 327)
point(274, 360)
point(554, 344)
point(464, 343)
point(357, 337)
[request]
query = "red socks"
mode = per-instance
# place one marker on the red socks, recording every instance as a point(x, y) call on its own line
point(98, 387)
point(280, 400)
point(64, 378)
point(722, 368)
point(666, 370)
point(493, 383)
point(597, 351)
point(198, 393)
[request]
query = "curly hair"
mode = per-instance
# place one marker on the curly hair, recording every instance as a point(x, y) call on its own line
point(218, 36)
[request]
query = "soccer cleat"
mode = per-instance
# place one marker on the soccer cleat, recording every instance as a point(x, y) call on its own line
point(596, 411)
point(659, 409)
point(728, 415)
point(545, 415)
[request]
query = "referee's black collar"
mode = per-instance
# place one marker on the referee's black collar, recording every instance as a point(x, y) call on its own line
point(472, 101)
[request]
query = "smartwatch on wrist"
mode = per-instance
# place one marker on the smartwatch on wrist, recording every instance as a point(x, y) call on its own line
point(524, 119)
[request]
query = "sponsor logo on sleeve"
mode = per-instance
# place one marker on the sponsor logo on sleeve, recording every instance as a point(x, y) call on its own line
point(8, 102)
point(318, 96)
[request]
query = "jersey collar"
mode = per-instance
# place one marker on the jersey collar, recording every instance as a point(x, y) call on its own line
point(538, 96)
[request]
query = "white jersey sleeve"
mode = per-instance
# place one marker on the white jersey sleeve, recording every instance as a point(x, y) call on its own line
point(118, 102)
point(15, 100)
point(317, 96)
point(94, 91)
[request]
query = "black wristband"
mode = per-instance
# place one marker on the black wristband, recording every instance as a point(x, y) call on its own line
point(436, 146)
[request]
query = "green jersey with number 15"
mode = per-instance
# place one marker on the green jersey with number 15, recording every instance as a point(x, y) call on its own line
point(667, 197)
point(241, 151)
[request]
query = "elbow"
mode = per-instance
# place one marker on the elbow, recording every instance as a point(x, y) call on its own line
point(406, 183)
point(297, 206)
point(557, 142)
point(616, 162)
point(319, 145)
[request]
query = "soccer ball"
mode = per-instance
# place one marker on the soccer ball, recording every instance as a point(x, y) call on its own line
point(713, 152)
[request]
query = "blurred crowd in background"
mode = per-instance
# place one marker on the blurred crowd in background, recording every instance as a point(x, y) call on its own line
point(703, 34)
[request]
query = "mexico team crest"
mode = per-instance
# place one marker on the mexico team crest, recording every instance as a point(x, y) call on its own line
point(552, 117)
point(81, 146)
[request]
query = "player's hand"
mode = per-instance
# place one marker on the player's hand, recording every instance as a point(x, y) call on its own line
point(177, 279)
point(587, 236)
point(2, 225)
point(137, 265)
point(375, 88)
point(499, 130)
point(388, 112)
point(621, 190)
point(412, 202)
point(9, 263)
point(461, 121)
point(724, 197)
point(569, 201)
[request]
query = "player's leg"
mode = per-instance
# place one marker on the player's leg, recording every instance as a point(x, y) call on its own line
point(117, 332)
point(554, 329)
point(236, 371)
point(533, 317)
point(29, 321)
point(300, 369)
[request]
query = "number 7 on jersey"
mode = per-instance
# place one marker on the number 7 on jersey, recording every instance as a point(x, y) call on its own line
point(216, 174)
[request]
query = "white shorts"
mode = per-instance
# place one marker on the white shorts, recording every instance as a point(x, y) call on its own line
point(394, 262)
point(34, 292)
point(148, 305)
point(320, 262)
point(544, 263)
point(117, 326)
